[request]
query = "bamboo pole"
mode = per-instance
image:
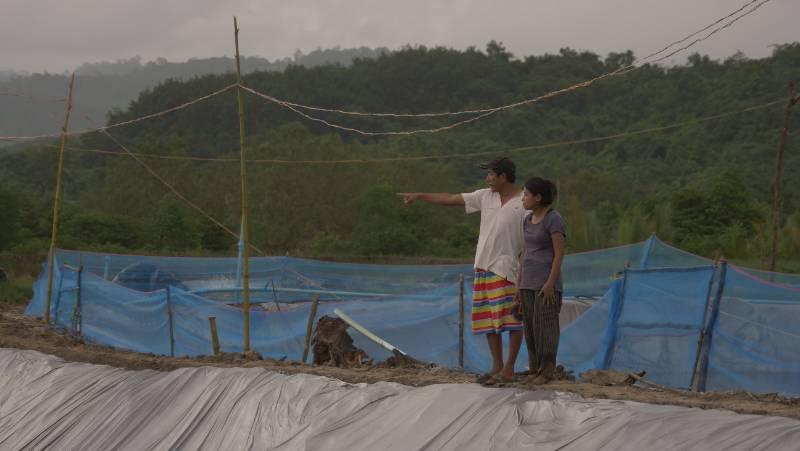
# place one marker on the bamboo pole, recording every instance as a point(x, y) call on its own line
point(461, 322)
point(311, 316)
point(171, 330)
point(275, 295)
point(58, 295)
point(212, 322)
point(776, 186)
point(57, 203)
point(77, 311)
point(245, 226)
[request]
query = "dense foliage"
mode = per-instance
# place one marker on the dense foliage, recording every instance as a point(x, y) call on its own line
point(705, 186)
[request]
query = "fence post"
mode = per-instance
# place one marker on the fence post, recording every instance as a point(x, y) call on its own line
point(707, 334)
point(648, 246)
point(461, 322)
point(106, 266)
point(701, 335)
point(58, 295)
point(614, 310)
point(77, 312)
point(311, 316)
point(171, 331)
point(212, 322)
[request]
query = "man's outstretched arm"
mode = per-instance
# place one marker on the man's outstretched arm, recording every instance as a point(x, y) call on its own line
point(434, 198)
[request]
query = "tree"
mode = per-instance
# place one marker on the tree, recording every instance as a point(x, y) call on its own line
point(9, 217)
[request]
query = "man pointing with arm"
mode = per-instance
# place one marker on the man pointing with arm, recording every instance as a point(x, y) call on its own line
point(496, 260)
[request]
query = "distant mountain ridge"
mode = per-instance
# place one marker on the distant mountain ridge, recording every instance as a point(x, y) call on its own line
point(104, 86)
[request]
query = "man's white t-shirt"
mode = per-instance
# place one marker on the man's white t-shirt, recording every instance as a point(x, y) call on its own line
point(500, 239)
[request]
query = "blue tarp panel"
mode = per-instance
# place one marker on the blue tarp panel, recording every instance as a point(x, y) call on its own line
point(645, 318)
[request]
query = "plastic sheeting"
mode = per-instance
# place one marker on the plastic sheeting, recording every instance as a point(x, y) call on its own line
point(755, 339)
point(719, 327)
point(48, 403)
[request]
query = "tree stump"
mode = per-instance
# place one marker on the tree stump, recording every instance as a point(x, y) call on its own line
point(333, 346)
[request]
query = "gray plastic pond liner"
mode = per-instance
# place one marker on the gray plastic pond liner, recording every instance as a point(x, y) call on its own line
point(48, 403)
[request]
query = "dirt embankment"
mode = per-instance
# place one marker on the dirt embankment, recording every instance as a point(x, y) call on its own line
point(21, 332)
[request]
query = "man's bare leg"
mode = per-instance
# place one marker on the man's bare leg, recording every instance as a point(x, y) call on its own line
point(496, 347)
point(514, 343)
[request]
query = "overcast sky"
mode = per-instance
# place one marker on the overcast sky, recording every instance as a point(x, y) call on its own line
point(55, 35)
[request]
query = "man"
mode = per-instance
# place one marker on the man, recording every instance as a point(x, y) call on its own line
point(496, 260)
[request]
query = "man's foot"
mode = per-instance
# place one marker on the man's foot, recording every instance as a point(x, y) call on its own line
point(488, 375)
point(499, 380)
point(507, 374)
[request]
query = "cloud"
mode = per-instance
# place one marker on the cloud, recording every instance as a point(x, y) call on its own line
point(56, 35)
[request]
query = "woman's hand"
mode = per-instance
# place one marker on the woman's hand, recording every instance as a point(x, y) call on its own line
point(549, 293)
point(516, 307)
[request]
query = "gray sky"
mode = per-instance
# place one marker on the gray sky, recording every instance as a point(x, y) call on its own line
point(55, 35)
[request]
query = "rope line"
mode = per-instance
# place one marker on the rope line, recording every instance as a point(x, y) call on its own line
point(715, 31)
point(621, 71)
point(481, 113)
point(743, 7)
point(120, 124)
point(175, 191)
point(437, 157)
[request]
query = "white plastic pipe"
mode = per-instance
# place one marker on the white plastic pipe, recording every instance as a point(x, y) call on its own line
point(380, 341)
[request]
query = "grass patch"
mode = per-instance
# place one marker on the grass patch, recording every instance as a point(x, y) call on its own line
point(16, 291)
point(781, 265)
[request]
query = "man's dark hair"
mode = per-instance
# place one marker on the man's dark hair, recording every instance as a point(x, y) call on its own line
point(502, 165)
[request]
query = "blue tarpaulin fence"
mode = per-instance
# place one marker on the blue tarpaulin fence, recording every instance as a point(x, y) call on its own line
point(709, 328)
point(660, 309)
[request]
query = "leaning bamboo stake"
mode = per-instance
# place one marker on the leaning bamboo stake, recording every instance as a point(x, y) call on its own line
point(776, 186)
point(212, 323)
point(245, 226)
point(311, 316)
point(57, 203)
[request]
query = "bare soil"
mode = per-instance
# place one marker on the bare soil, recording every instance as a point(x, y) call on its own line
point(21, 332)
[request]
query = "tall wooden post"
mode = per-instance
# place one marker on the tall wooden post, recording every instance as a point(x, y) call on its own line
point(57, 203)
point(777, 199)
point(245, 226)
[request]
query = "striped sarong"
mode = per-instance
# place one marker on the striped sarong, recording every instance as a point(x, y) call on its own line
point(492, 299)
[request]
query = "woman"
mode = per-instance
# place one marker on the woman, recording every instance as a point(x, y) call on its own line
point(539, 282)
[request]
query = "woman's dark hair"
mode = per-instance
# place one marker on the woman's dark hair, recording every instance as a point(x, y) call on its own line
point(542, 187)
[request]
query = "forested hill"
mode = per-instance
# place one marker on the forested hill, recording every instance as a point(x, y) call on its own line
point(103, 86)
point(704, 186)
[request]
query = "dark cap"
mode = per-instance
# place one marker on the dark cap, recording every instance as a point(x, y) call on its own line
point(502, 165)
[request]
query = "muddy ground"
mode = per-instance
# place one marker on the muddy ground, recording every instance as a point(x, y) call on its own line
point(21, 332)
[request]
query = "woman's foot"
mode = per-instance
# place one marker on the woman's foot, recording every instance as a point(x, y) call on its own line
point(545, 374)
point(541, 380)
